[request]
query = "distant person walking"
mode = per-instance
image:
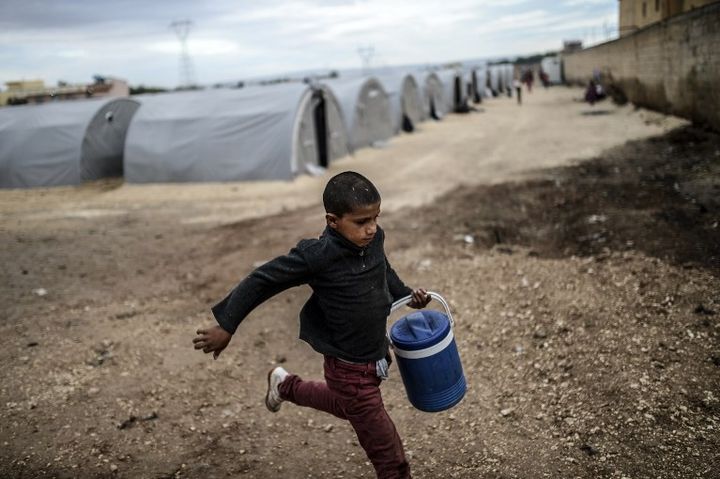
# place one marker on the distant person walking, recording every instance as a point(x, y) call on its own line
point(591, 93)
point(594, 92)
point(544, 78)
point(518, 90)
point(528, 79)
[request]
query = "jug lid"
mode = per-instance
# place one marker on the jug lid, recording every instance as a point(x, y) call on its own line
point(420, 329)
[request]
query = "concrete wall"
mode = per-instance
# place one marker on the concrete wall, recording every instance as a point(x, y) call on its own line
point(672, 66)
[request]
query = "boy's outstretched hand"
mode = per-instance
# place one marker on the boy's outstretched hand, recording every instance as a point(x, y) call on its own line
point(212, 340)
point(420, 299)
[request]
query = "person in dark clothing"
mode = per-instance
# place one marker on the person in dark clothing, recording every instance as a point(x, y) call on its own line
point(594, 92)
point(345, 318)
point(528, 78)
point(544, 78)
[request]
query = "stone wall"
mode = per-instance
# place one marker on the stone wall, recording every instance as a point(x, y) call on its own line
point(672, 66)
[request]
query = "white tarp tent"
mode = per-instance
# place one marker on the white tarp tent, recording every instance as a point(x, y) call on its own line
point(434, 103)
point(454, 89)
point(495, 79)
point(365, 109)
point(257, 133)
point(482, 75)
point(64, 142)
point(552, 66)
point(475, 78)
point(509, 73)
point(501, 73)
point(406, 106)
point(472, 85)
point(468, 82)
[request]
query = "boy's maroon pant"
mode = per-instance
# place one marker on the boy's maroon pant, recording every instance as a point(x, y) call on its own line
point(351, 391)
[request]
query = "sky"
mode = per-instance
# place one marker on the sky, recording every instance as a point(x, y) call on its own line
point(231, 40)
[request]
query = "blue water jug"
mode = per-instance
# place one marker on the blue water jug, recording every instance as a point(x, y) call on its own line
point(428, 358)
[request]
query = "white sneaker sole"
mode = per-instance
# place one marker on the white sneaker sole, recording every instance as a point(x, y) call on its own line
point(267, 395)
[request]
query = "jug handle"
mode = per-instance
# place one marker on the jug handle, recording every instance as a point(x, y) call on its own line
point(407, 299)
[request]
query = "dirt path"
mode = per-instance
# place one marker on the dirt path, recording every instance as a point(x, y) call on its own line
point(583, 273)
point(501, 142)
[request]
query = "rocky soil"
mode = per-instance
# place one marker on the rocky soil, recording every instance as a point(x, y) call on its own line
point(587, 301)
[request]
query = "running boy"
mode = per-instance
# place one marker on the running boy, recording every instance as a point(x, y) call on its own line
point(344, 319)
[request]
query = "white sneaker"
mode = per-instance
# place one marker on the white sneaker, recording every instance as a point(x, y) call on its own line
point(273, 401)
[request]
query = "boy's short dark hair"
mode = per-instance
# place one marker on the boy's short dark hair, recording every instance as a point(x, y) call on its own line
point(347, 191)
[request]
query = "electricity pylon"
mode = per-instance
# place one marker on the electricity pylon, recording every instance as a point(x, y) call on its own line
point(366, 55)
point(182, 30)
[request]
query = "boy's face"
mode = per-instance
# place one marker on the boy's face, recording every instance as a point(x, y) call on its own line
point(358, 226)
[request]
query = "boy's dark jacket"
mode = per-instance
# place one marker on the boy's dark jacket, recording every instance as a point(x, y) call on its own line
point(353, 289)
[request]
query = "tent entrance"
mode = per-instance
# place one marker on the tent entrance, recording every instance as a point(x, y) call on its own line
point(433, 113)
point(102, 151)
point(458, 93)
point(489, 84)
point(407, 125)
point(321, 129)
point(475, 88)
point(460, 103)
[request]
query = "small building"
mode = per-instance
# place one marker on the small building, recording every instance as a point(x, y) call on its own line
point(570, 46)
point(19, 87)
point(26, 92)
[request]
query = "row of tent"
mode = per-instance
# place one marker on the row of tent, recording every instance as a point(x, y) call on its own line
point(254, 133)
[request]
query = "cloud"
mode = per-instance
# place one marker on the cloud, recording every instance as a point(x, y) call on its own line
point(575, 3)
point(200, 47)
point(540, 21)
point(233, 39)
point(77, 53)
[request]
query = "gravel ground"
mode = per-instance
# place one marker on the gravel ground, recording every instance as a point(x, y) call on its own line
point(587, 308)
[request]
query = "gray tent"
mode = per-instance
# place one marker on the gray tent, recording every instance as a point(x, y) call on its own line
point(434, 101)
point(405, 100)
point(470, 91)
point(554, 69)
point(64, 142)
point(508, 74)
point(475, 81)
point(482, 76)
point(502, 81)
point(454, 90)
point(501, 78)
point(255, 133)
point(365, 108)
point(495, 79)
